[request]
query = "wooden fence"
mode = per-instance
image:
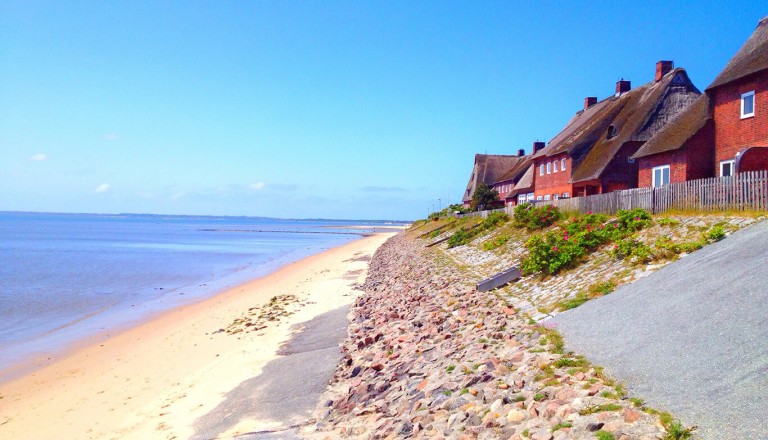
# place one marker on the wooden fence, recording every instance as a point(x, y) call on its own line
point(744, 191)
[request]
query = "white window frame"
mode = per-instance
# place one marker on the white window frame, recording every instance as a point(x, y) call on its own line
point(554, 196)
point(660, 168)
point(538, 198)
point(565, 195)
point(743, 96)
point(546, 197)
point(541, 170)
point(529, 197)
point(562, 164)
point(554, 166)
point(731, 162)
point(549, 167)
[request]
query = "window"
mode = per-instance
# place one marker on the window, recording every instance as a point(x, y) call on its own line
point(611, 132)
point(748, 105)
point(554, 196)
point(549, 167)
point(546, 197)
point(521, 199)
point(565, 195)
point(538, 197)
point(660, 176)
point(727, 168)
point(562, 164)
point(554, 166)
point(541, 170)
point(529, 197)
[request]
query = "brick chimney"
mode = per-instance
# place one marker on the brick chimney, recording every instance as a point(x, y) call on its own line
point(521, 152)
point(538, 146)
point(589, 101)
point(623, 86)
point(663, 68)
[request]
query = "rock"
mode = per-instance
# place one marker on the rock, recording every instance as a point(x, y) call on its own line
point(542, 434)
point(515, 416)
point(631, 415)
point(592, 427)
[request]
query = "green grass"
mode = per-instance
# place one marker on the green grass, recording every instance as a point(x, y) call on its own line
point(604, 435)
point(562, 425)
point(593, 409)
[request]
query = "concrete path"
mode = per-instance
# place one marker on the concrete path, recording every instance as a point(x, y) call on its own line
point(288, 388)
point(691, 338)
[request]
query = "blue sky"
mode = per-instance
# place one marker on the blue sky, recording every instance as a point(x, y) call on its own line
point(357, 110)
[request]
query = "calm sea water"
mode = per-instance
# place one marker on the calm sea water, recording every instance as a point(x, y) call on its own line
point(64, 277)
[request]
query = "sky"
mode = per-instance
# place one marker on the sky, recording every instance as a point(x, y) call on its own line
point(313, 109)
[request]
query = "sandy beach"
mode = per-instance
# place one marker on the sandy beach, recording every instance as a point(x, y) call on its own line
point(156, 379)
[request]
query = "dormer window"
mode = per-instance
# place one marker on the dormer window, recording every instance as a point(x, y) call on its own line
point(748, 105)
point(611, 132)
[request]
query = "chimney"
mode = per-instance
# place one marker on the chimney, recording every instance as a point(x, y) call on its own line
point(663, 68)
point(537, 146)
point(623, 86)
point(589, 101)
point(521, 152)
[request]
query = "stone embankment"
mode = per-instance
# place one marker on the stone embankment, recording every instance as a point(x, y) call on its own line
point(430, 357)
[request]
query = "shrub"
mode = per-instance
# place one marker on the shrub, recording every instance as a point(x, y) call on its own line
point(666, 221)
point(464, 236)
point(562, 248)
point(535, 217)
point(485, 197)
point(495, 242)
point(633, 220)
point(716, 233)
point(633, 249)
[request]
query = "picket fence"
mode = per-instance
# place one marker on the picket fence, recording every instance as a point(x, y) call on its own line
point(743, 191)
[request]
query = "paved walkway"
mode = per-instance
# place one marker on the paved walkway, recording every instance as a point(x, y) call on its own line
point(691, 338)
point(288, 388)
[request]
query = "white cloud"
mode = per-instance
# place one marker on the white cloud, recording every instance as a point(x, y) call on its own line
point(257, 186)
point(38, 157)
point(102, 188)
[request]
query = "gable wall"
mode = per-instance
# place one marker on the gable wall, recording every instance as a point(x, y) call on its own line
point(733, 134)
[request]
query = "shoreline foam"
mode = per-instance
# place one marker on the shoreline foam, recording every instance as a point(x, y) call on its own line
point(157, 378)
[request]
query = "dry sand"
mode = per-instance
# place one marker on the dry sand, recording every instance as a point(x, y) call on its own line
point(154, 380)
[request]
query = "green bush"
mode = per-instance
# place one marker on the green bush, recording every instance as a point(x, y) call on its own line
point(632, 248)
point(464, 236)
point(535, 217)
point(563, 247)
point(716, 233)
point(495, 242)
point(634, 220)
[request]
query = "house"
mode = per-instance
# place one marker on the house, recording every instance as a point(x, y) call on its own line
point(488, 168)
point(723, 132)
point(739, 96)
point(593, 153)
point(507, 185)
point(682, 150)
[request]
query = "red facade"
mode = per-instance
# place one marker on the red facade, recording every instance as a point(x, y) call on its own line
point(732, 132)
point(550, 179)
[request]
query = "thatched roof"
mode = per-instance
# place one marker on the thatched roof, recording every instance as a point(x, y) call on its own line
point(674, 135)
point(633, 116)
point(751, 58)
point(517, 169)
point(526, 181)
point(487, 169)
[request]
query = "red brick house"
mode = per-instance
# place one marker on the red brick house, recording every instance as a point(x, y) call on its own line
point(507, 185)
point(723, 132)
point(488, 169)
point(682, 150)
point(593, 153)
point(739, 97)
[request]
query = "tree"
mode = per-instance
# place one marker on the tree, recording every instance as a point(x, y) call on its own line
point(485, 197)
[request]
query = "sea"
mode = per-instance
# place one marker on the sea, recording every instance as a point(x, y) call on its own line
point(67, 277)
